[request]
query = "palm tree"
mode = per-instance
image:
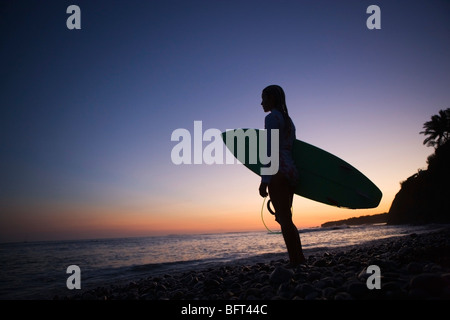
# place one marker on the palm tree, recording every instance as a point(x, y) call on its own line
point(438, 129)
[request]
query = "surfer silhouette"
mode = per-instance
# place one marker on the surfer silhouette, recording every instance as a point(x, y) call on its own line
point(280, 186)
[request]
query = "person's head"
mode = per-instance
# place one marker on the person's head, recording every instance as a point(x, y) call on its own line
point(273, 97)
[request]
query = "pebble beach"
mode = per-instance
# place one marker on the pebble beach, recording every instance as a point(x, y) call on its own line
point(411, 267)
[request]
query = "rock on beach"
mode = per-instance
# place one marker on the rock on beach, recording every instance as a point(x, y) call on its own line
point(415, 266)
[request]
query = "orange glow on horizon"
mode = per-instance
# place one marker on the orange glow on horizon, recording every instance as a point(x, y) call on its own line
point(46, 222)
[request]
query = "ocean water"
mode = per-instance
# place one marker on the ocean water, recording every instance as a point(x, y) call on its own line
point(38, 270)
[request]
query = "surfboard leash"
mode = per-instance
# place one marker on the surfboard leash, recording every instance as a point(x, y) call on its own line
point(262, 215)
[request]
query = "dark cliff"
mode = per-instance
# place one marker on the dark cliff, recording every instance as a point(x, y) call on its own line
point(425, 196)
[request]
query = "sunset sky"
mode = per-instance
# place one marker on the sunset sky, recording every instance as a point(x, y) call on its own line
point(87, 115)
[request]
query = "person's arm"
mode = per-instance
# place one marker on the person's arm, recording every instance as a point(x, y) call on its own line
point(270, 122)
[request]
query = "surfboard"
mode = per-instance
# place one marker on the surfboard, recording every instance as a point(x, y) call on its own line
point(323, 177)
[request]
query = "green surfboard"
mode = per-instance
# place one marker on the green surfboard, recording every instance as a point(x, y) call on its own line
point(323, 177)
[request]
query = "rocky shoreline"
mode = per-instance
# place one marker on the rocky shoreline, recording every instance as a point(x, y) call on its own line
point(411, 267)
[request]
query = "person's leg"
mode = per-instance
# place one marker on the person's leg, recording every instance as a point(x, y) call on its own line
point(281, 195)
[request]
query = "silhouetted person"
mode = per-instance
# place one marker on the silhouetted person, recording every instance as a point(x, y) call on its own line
point(281, 186)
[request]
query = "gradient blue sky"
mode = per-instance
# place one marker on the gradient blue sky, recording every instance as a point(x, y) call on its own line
point(87, 115)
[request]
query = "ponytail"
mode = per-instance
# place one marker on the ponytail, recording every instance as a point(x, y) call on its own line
point(278, 93)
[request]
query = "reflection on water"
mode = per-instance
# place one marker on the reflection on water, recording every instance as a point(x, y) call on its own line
point(38, 269)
